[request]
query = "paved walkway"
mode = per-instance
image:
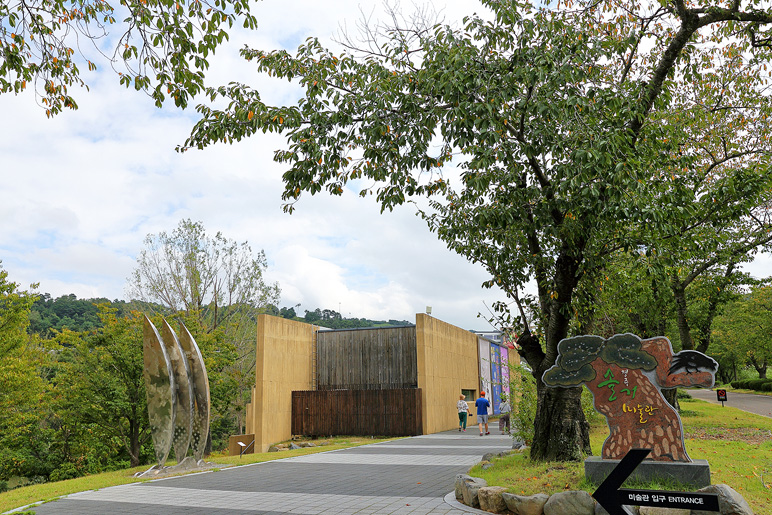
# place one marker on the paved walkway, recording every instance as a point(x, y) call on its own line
point(408, 476)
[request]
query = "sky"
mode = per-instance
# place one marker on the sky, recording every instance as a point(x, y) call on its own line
point(80, 192)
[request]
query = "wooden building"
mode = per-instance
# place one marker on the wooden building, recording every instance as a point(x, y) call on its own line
point(380, 381)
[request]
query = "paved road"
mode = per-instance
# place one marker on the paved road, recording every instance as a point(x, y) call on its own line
point(408, 476)
point(759, 404)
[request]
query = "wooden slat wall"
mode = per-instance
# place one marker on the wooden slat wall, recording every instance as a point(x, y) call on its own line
point(367, 359)
point(393, 412)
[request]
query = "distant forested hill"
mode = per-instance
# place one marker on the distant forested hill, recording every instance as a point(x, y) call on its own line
point(68, 311)
point(334, 320)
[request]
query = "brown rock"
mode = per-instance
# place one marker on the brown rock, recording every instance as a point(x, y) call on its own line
point(570, 503)
point(525, 505)
point(730, 502)
point(491, 500)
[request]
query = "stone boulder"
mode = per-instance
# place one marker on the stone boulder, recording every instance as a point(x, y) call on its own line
point(469, 488)
point(525, 505)
point(491, 500)
point(458, 484)
point(490, 455)
point(655, 510)
point(729, 501)
point(570, 503)
point(600, 510)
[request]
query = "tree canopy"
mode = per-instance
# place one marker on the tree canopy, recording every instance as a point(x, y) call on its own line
point(580, 130)
point(157, 46)
point(744, 330)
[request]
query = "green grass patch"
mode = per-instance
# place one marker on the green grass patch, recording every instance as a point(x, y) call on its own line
point(737, 445)
point(49, 491)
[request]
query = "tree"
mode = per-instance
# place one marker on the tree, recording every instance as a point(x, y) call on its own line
point(102, 388)
point(161, 47)
point(218, 287)
point(581, 131)
point(15, 307)
point(21, 385)
point(744, 330)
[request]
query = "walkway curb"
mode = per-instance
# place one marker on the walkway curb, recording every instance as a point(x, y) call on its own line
point(451, 500)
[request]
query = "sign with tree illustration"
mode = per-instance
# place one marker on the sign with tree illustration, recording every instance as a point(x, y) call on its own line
point(626, 376)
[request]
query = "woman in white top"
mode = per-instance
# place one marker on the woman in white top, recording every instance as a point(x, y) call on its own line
point(463, 412)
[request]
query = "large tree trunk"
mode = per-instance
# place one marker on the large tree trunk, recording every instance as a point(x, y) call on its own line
point(562, 432)
point(679, 295)
point(671, 396)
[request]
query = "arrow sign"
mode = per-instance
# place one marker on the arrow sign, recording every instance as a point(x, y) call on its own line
point(614, 499)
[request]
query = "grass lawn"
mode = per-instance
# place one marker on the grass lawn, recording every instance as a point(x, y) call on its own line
point(737, 445)
point(45, 492)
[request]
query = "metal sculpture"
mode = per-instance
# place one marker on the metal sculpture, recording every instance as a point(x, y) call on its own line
point(177, 389)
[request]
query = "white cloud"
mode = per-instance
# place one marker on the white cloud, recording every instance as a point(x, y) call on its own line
point(82, 190)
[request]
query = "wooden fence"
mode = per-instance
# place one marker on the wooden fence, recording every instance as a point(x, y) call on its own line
point(366, 359)
point(395, 412)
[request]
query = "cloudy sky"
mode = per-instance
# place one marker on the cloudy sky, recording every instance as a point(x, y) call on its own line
point(81, 191)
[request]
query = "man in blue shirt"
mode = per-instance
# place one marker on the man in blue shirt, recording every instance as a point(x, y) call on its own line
point(482, 405)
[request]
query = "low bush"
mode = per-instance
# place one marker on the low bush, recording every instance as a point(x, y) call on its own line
point(756, 384)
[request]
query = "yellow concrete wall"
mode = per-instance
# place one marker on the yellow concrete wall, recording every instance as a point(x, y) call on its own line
point(250, 423)
point(285, 351)
point(234, 449)
point(447, 363)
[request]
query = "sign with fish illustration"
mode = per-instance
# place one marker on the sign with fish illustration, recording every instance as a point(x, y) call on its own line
point(626, 376)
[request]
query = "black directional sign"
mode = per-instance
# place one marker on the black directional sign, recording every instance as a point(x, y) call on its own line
point(615, 499)
point(721, 396)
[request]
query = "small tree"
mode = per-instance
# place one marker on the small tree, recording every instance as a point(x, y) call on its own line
point(218, 287)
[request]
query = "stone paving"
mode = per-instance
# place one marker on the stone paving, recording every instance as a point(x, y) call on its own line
point(408, 476)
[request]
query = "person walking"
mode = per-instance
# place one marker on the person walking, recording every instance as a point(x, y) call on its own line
point(463, 412)
point(504, 418)
point(482, 405)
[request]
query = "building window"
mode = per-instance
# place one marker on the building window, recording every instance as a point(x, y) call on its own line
point(468, 394)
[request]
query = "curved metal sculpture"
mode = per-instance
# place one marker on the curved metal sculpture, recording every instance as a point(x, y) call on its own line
point(183, 392)
point(200, 383)
point(177, 389)
point(159, 388)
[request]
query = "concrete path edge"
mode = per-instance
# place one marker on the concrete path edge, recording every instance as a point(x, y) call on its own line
point(451, 500)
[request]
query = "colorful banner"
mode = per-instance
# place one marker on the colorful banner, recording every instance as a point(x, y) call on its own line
point(505, 372)
point(485, 367)
point(496, 379)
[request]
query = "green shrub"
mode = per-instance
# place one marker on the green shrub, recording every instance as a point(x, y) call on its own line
point(524, 409)
point(65, 471)
point(683, 394)
point(735, 384)
point(755, 384)
point(767, 387)
point(3, 486)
